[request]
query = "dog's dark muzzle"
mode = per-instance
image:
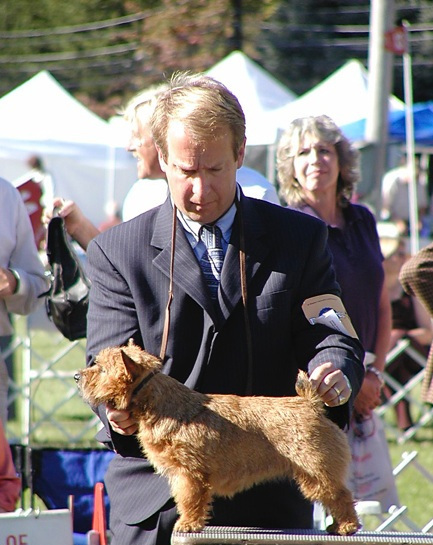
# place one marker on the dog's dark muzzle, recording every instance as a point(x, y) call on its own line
point(77, 377)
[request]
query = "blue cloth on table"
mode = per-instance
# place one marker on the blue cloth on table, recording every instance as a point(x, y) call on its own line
point(60, 473)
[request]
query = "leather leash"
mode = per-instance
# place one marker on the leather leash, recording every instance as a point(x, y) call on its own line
point(165, 331)
point(243, 274)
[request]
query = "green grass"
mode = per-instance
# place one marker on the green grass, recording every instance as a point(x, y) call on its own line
point(59, 418)
point(416, 490)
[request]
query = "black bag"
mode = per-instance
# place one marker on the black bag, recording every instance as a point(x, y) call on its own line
point(67, 299)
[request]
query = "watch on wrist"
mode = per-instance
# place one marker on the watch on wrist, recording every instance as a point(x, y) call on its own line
point(378, 374)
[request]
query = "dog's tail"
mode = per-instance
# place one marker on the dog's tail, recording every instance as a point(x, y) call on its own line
point(305, 389)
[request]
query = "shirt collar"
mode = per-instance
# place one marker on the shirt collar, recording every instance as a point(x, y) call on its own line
point(225, 223)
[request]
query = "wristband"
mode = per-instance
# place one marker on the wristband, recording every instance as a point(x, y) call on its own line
point(378, 374)
point(17, 278)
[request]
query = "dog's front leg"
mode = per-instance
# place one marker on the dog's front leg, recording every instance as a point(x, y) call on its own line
point(192, 494)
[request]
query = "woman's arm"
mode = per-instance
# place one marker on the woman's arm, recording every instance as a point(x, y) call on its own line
point(384, 326)
point(369, 395)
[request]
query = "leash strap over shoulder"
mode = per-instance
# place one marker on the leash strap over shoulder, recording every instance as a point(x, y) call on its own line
point(166, 329)
point(244, 290)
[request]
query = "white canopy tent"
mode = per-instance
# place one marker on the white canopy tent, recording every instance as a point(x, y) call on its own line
point(258, 92)
point(76, 146)
point(342, 96)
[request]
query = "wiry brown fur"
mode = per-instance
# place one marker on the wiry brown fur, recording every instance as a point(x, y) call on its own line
point(218, 445)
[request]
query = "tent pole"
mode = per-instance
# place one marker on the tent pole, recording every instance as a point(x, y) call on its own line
point(410, 149)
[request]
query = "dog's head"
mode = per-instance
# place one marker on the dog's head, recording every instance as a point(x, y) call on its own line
point(117, 372)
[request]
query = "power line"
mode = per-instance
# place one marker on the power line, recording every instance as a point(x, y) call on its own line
point(68, 56)
point(119, 58)
point(334, 29)
point(78, 28)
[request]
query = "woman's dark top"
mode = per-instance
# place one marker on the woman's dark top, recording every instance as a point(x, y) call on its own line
point(358, 265)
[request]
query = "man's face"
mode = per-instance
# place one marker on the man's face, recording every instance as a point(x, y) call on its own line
point(201, 177)
point(143, 148)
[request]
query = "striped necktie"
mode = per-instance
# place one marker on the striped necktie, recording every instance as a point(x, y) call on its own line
point(212, 261)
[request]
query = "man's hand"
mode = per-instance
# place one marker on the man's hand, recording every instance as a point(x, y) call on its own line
point(331, 384)
point(8, 283)
point(121, 421)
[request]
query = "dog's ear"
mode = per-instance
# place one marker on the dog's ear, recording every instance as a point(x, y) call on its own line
point(130, 365)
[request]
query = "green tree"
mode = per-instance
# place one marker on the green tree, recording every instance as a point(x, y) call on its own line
point(104, 51)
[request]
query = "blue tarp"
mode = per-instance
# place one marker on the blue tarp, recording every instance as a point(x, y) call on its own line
point(422, 121)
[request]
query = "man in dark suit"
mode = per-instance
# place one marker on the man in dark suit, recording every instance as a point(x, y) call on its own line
point(250, 338)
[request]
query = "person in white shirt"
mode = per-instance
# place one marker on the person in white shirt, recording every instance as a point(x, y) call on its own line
point(150, 189)
point(254, 184)
point(395, 196)
point(22, 274)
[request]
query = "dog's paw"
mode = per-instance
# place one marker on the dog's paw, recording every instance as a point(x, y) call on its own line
point(188, 526)
point(343, 528)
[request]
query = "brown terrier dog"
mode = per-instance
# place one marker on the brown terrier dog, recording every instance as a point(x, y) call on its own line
point(218, 445)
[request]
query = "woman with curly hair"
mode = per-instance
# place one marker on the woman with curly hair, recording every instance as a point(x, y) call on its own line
point(317, 172)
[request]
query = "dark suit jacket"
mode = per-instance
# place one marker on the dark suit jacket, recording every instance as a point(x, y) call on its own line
point(287, 261)
point(416, 277)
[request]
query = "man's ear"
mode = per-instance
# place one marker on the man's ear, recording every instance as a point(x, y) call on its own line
point(241, 154)
point(161, 160)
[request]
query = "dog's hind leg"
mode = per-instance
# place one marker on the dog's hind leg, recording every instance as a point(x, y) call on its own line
point(193, 498)
point(335, 497)
point(340, 503)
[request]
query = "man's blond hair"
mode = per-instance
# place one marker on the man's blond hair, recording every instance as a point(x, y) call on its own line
point(204, 105)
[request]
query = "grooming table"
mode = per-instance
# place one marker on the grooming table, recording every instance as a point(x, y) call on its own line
point(219, 535)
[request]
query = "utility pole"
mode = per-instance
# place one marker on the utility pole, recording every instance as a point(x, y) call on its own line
point(380, 68)
point(237, 38)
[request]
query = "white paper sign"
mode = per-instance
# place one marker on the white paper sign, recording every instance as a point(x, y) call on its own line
point(328, 309)
point(52, 527)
